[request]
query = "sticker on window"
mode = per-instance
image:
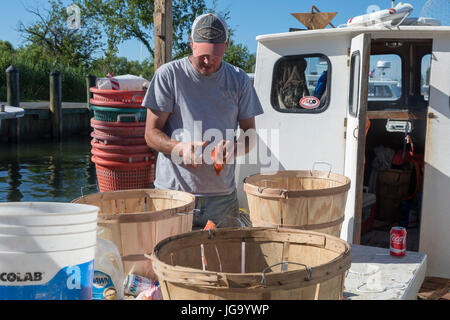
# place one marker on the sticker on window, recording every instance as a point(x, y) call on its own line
point(301, 84)
point(309, 102)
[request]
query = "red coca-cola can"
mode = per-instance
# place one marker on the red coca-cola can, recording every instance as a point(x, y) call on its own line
point(398, 241)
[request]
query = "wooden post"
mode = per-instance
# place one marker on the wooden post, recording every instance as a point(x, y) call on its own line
point(162, 23)
point(90, 82)
point(13, 87)
point(56, 104)
point(13, 99)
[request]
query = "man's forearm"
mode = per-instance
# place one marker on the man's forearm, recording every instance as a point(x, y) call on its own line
point(245, 143)
point(159, 141)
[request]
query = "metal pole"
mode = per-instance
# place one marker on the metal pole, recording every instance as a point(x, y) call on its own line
point(56, 104)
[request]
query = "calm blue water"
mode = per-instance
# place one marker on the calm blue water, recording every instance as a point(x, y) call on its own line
point(47, 170)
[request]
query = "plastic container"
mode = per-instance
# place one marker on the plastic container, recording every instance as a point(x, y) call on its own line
point(107, 125)
point(124, 82)
point(119, 114)
point(130, 158)
point(47, 250)
point(108, 272)
point(121, 149)
point(40, 243)
point(108, 139)
point(120, 129)
point(46, 230)
point(135, 285)
point(27, 214)
point(115, 175)
point(117, 98)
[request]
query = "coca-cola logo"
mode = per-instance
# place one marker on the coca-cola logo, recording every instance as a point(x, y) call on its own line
point(397, 239)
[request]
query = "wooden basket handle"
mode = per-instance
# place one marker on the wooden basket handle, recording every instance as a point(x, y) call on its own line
point(284, 268)
point(321, 162)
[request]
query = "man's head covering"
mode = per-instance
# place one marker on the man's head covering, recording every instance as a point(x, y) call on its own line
point(209, 35)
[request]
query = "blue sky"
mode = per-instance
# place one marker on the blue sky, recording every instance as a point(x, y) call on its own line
point(248, 18)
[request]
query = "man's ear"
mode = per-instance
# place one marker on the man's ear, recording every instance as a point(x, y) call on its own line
point(228, 42)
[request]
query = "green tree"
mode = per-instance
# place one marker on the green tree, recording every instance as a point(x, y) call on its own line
point(51, 45)
point(123, 20)
point(239, 56)
point(6, 48)
point(51, 33)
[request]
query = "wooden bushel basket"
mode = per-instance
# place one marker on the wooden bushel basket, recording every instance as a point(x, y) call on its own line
point(306, 200)
point(278, 263)
point(136, 220)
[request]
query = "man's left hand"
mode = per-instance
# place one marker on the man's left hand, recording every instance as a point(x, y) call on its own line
point(225, 152)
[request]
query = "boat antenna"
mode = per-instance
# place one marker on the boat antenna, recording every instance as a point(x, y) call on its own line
point(393, 3)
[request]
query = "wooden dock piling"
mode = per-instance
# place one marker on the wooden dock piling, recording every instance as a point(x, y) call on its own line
point(163, 28)
point(90, 82)
point(13, 99)
point(56, 104)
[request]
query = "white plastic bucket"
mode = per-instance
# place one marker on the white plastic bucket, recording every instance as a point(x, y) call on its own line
point(46, 213)
point(47, 243)
point(47, 251)
point(13, 230)
point(60, 275)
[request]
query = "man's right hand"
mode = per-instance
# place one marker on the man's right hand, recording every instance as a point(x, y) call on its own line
point(190, 152)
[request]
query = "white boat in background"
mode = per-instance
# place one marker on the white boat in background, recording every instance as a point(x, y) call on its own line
point(335, 130)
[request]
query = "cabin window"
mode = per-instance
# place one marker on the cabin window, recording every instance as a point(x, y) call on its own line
point(425, 78)
point(301, 84)
point(355, 66)
point(385, 77)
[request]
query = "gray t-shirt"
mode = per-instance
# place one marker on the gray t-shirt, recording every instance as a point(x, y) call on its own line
point(198, 103)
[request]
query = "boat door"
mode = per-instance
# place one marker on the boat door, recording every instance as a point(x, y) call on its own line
point(355, 134)
point(435, 218)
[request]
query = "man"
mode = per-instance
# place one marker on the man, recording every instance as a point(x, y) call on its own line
point(190, 101)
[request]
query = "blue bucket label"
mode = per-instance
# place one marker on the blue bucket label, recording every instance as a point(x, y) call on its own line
point(69, 283)
point(101, 285)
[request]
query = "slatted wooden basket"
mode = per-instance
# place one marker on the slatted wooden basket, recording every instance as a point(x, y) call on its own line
point(136, 220)
point(252, 263)
point(307, 200)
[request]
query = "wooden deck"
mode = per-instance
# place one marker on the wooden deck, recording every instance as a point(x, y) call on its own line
point(435, 288)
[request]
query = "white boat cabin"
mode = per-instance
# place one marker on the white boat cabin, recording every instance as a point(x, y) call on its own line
point(355, 120)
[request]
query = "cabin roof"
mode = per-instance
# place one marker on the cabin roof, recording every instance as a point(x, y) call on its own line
point(431, 31)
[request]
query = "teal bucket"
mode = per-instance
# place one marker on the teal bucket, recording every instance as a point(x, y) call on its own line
point(119, 114)
point(47, 250)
